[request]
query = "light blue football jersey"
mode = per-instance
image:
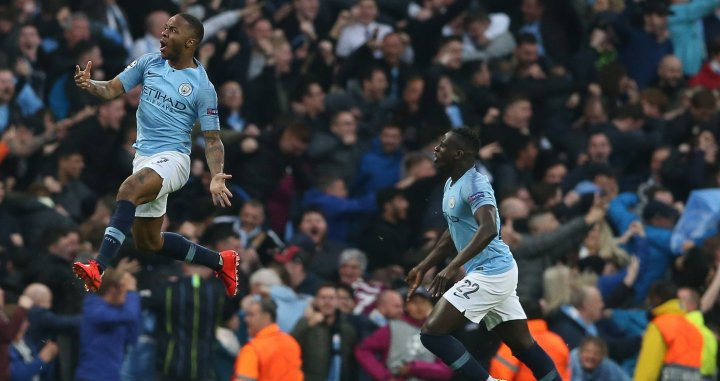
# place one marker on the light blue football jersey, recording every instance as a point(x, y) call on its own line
point(170, 103)
point(460, 202)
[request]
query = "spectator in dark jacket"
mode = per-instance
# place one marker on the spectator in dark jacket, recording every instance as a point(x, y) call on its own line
point(330, 336)
point(387, 238)
point(324, 251)
point(111, 320)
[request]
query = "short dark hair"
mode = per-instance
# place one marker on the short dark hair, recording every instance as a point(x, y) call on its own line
point(368, 73)
point(597, 341)
point(346, 288)
point(53, 234)
point(300, 131)
point(386, 195)
point(477, 15)
point(326, 285)
point(414, 158)
point(704, 98)
point(67, 149)
point(526, 38)
point(661, 292)
point(198, 30)
point(469, 137)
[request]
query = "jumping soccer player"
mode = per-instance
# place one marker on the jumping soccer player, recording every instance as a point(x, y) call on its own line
point(487, 292)
point(176, 92)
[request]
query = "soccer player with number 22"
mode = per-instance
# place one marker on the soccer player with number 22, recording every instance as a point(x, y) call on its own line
point(488, 290)
point(176, 92)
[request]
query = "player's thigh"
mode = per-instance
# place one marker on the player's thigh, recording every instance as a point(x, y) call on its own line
point(444, 319)
point(515, 334)
point(158, 175)
point(147, 233)
point(141, 187)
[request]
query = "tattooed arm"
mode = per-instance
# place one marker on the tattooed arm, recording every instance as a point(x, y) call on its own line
point(102, 89)
point(215, 157)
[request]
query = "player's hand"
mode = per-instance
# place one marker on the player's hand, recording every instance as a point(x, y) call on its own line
point(414, 278)
point(219, 192)
point(82, 77)
point(443, 281)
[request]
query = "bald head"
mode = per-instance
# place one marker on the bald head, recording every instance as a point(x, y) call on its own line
point(670, 70)
point(40, 295)
point(514, 208)
point(390, 304)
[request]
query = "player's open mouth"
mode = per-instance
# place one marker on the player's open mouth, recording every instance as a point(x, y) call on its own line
point(163, 45)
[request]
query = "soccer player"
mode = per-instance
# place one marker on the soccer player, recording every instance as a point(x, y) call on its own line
point(487, 292)
point(176, 92)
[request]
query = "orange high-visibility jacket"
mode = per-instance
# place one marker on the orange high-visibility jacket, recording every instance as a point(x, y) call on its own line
point(272, 355)
point(505, 366)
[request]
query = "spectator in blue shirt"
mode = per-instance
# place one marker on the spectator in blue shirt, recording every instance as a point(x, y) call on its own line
point(380, 166)
point(111, 320)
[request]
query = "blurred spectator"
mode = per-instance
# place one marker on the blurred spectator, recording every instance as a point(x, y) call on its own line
point(295, 261)
point(672, 346)
point(290, 306)
point(270, 354)
point(27, 363)
point(547, 243)
point(331, 196)
point(380, 166)
point(360, 26)
point(353, 264)
point(44, 324)
point(590, 362)
point(9, 328)
point(709, 74)
point(651, 40)
point(331, 337)
point(336, 153)
point(69, 192)
point(508, 367)
point(187, 311)
point(150, 42)
point(53, 269)
point(387, 239)
point(685, 26)
point(388, 307)
point(111, 321)
point(325, 252)
point(231, 109)
point(395, 352)
point(690, 301)
point(487, 36)
point(100, 142)
point(250, 225)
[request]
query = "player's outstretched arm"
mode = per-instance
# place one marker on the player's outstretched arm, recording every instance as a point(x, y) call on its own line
point(443, 249)
point(215, 156)
point(103, 89)
point(487, 230)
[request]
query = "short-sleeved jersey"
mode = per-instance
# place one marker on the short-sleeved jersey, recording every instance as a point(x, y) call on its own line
point(460, 202)
point(170, 102)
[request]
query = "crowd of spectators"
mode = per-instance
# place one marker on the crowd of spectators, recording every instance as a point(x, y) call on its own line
point(599, 120)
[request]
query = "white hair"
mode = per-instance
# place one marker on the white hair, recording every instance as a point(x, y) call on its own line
point(265, 277)
point(354, 254)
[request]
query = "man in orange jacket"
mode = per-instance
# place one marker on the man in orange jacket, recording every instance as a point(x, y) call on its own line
point(672, 346)
point(271, 355)
point(505, 366)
